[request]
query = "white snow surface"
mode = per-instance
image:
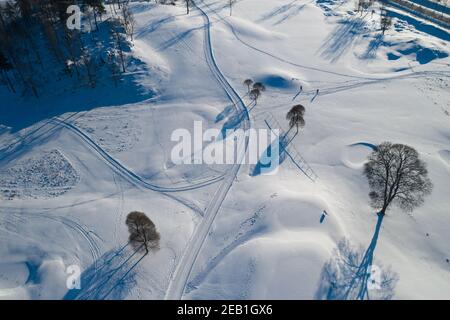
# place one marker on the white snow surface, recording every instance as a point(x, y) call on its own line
point(75, 176)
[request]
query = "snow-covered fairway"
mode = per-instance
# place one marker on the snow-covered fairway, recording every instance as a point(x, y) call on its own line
point(241, 236)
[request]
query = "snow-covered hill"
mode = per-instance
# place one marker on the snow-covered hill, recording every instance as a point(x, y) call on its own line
point(226, 231)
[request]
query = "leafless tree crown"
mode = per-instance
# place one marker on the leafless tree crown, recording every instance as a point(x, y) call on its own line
point(143, 234)
point(255, 93)
point(397, 175)
point(295, 116)
point(259, 86)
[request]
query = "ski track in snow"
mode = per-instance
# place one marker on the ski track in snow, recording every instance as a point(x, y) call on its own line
point(87, 235)
point(136, 179)
point(183, 271)
point(180, 278)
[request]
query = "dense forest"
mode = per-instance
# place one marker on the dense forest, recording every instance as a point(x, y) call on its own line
point(39, 44)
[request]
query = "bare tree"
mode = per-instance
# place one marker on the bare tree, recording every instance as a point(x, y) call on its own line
point(187, 5)
point(363, 5)
point(255, 94)
point(385, 21)
point(248, 83)
point(231, 2)
point(118, 40)
point(396, 175)
point(98, 10)
point(142, 231)
point(259, 86)
point(295, 117)
point(5, 67)
point(128, 21)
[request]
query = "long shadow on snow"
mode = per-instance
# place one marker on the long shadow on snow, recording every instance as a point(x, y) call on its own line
point(224, 113)
point(342, 37)
point(277, 147)
point(373, 46)
point(284, 10)
point(350, 274)
point(112, 277)
point(153, 26)
point(182, 36)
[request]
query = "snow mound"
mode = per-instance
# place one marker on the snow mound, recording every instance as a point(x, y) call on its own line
point(13, 274)
point(277, 79)
point(252, 30)
point(48, 174)
point(416, 51)
point(257, 263)
point(25, 280)
point(354, 156)
point(262, 268)
point(36, 248)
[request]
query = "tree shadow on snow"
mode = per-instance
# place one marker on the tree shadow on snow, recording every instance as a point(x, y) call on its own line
point(111, 277)
point(342, 37)
point(276, 148)
point(153, 26)
point(232, 123)
point(283, 12)
point(224, 113)
point(351, 274)
point(373, 46)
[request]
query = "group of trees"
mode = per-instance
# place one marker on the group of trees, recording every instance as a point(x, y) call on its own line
point(295, 116)
point(254, 89)
point(434, 13)
point(38, 47)
point(366, 5)
point(437, 12)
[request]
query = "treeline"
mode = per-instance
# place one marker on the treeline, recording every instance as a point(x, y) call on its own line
point(38, 46)
point(428, 13)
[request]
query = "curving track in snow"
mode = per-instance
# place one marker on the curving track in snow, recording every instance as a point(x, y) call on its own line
point(127, 173)
point(184, 268)
point(14, 215)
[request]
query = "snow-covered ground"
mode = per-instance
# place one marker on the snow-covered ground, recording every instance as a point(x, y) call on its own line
point(226, 232)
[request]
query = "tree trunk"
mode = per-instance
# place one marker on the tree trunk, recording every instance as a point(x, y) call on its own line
point(120, 52)
point(383, 210)
point(95, 19)
point(8, 80)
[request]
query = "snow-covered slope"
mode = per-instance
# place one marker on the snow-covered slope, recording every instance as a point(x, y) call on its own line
point(227, 232)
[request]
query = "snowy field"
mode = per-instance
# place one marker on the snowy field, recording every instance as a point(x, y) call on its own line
point(67, 182)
